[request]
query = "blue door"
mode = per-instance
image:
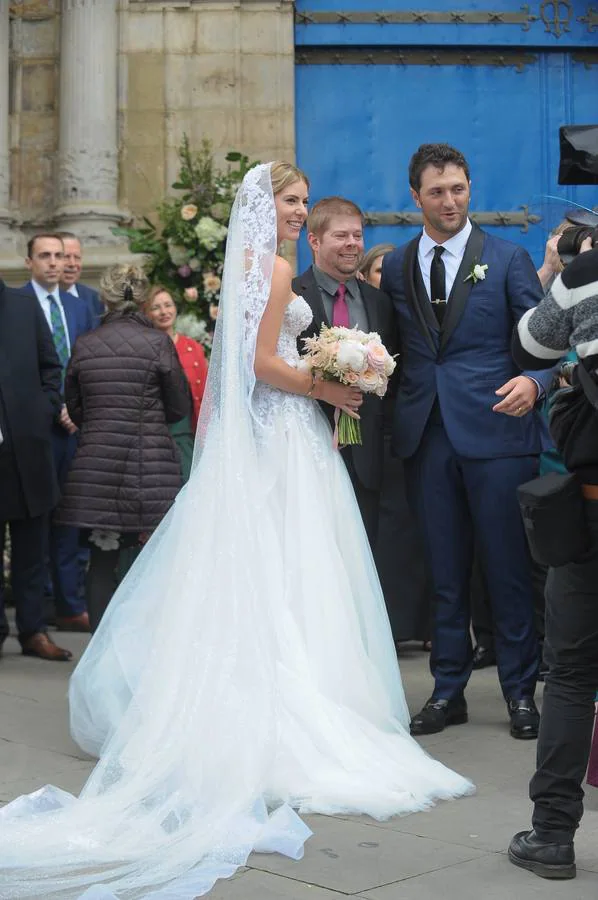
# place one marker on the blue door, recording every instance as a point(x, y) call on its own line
point(374, 79)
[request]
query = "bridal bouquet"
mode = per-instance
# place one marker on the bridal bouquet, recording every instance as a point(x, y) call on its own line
point(354, 358)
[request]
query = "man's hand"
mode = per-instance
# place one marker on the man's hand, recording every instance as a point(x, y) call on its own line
point(552, 262)
point(520, 395)
point(66, 421)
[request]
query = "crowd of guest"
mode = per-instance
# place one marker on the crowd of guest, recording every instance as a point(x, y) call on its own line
point(99, 402)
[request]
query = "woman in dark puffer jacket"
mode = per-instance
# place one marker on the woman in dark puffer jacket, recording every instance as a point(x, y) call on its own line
point(124, 385)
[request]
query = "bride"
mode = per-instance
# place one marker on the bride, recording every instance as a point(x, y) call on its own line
point(240, 677)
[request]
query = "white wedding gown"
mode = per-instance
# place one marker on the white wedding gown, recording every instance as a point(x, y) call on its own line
point(245, 665)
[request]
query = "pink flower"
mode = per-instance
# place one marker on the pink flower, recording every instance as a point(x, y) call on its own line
point(184, 271)
point(191, 294)
point(376, 356)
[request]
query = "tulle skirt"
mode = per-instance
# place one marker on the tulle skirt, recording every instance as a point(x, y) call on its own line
point(244, 673)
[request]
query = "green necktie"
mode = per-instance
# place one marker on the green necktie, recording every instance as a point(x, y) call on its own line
point(59, 334)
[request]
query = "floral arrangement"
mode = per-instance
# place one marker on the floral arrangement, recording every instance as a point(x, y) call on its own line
point(185, 250)
point(354, 358)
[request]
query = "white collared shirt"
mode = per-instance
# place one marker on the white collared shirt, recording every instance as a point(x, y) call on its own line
point(454, 250)
point(42, 295)
point(73, 290)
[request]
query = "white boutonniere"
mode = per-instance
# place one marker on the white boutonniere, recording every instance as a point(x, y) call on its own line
point(478, 273)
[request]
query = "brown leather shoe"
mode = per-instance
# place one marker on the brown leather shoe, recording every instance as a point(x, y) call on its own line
point(73, 623)
point(42, 646)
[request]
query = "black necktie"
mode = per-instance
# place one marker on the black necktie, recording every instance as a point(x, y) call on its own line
point(438, 284)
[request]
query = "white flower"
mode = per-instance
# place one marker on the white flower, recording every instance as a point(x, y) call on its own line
point(194, 328)
point(105, 540)
point(210, 233)
point(178, 254)
point(479, 272)
point(352, 355)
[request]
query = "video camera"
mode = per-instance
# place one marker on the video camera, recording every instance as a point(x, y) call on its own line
point(578, 165)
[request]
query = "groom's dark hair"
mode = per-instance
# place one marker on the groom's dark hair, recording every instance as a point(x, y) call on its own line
point(437, 155)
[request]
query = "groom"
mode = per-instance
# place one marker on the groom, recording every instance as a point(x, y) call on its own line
point(466, 426)
point(336, 297)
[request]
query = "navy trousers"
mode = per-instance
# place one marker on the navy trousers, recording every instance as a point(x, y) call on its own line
point(65, 552)
point(28, 545)
point(461, 502)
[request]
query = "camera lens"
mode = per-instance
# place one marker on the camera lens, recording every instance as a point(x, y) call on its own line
point(571, 240)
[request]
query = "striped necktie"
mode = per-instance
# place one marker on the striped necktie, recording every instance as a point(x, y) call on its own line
point(59, 333)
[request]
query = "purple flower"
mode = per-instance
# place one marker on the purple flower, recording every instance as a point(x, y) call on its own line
point(184, 271)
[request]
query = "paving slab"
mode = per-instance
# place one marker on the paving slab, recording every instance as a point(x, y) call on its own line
point(353, 857)
point(455, 851)
point(490, 878)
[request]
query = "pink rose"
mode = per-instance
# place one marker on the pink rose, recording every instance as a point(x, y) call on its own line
point(191, 294)
point(376, 356)
point(351, 377)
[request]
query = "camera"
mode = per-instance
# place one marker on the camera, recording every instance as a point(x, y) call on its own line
point(578, 145)
point(570, 241)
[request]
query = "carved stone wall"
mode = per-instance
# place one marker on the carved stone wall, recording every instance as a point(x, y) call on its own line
point(221, 69)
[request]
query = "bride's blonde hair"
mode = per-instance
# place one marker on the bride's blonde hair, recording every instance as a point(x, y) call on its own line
point(282, 174)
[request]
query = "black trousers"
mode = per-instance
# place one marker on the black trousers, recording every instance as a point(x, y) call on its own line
point(28, 552)
point(571, 652)
point(367, 500)
point(100, 583)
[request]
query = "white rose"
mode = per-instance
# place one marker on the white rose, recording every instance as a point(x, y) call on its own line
point(352, 356)
point(479, 272)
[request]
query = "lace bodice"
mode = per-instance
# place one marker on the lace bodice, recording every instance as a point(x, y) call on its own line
point(297, 317)
point(272, 406)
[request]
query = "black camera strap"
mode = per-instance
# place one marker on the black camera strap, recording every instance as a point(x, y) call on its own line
point(588, 384)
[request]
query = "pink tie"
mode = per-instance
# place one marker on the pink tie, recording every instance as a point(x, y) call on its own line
point(340, 310)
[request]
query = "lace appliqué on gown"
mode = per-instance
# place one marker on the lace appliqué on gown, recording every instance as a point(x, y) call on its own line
point(273, 407)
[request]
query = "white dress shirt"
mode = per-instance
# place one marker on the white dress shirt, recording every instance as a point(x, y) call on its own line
point(73, 290)
point(454, 251)
point(42, 295)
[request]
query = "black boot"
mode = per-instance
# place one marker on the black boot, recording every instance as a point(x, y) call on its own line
point(542, 858)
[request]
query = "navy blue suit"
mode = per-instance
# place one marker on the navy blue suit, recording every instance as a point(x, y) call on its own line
point(64, 541)
point(463, 462)
point(91, 297)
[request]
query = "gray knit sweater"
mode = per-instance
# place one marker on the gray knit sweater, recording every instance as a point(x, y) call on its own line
point(567, 318)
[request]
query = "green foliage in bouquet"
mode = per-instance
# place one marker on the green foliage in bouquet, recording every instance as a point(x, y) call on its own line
point(185, 250)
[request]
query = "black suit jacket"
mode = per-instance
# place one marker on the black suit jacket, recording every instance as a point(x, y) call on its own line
point(30, 378)
point(368, 457)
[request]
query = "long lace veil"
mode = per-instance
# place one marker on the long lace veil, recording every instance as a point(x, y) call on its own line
point(176, 690)
point(250, 252)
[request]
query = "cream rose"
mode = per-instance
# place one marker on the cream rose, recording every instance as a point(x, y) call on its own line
point(211, 283)
point(369, 381)
point(479, 272)
point(188, 212)
point(191, 294)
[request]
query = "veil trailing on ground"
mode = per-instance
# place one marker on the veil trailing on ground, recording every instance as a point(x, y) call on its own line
point(175, 692)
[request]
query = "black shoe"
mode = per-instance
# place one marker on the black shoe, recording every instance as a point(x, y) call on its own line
point(483, 657)
point(546, 860)
point(525, 718)
point(437, 714)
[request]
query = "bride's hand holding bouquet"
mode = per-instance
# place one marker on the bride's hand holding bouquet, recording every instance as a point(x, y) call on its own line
point(351, 358)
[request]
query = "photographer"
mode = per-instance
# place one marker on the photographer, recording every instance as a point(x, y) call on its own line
point(566, 319)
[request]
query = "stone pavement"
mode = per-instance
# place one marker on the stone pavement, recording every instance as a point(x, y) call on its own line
point(457, 850)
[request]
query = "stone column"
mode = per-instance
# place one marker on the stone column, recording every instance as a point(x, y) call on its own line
point(88, 150)
point(6, 233)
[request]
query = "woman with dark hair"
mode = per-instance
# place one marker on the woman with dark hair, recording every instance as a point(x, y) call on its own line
point(124, 385)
